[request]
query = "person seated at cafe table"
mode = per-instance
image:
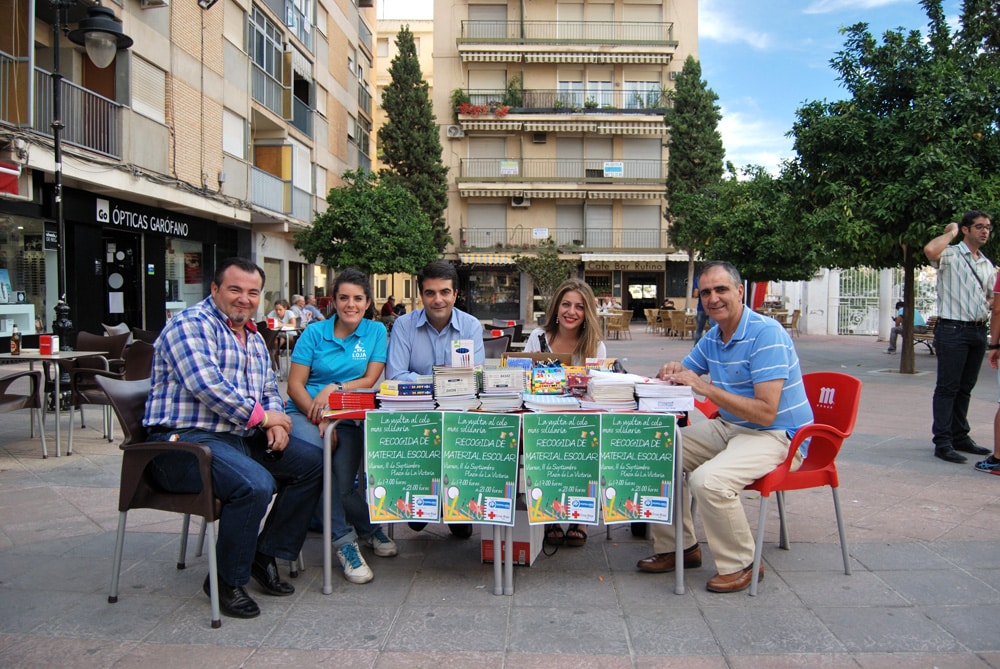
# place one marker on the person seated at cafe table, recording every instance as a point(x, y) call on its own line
point(283, 317)
point(571, 326)
point(422, 339)
point(757, 383)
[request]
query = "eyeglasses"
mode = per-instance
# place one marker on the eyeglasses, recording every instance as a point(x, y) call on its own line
point(980, 226)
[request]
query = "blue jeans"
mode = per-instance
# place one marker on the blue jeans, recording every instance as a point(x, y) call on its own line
point(349, 517)
point(960, 349)
point(699, 325)
point(245, 482)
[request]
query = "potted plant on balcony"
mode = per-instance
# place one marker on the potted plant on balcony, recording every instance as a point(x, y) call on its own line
point(459, 98)
point(590, 103)
point(514, 94)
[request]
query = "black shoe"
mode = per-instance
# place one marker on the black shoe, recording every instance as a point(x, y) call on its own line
point(972, 447)
point(950, 455)
point(234, 600)
point(265, 571)
point(462, 531)
point(416, 527)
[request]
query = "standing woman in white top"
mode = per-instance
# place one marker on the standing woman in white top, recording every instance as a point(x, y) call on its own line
point(571, 326)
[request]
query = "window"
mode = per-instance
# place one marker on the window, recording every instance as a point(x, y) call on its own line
point(352, 128)
point(416, 45)
point(149, 86)
point(265, 44)
point(382, 47)
point(234, 141)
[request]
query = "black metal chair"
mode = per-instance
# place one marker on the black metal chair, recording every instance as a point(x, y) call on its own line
point(497, 346)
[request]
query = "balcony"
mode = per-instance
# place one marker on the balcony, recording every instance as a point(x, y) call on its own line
point(567, 32)
point(547, 101)
point(280, 196)
point(266, 90)
point(91, 121)
point(562, 170)
point(302, 116)
point(364, 100)
point(575, 240)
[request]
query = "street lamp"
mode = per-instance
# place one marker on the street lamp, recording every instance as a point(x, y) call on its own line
point(101, 34)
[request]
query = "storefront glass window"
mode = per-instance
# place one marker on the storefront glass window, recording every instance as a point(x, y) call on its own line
point(22, 273)
point(494, 294)
point(185, 274)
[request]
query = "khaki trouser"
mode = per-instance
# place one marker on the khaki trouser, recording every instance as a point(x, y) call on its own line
point(721, 459)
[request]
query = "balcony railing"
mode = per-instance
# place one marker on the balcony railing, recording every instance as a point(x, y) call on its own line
point(11, 84)
point(302, 116)
point(628, 100)
point(364, 100)
point(279, 195)
point(562, 169)
point(364, 34)
point(91, 121)
point(577, 240)
point(266, 90)
point(568, 32)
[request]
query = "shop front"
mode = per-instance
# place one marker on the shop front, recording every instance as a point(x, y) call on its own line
point(636, 281)
point(490, 286)
point(27, 250)
point(134, 264)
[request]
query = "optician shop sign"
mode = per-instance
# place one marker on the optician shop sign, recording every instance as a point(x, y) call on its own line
point(139, 219)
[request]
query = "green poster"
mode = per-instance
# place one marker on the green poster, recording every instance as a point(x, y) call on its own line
point(403, 461)
point(561, 467)
point(479, 467)
point(637, 467)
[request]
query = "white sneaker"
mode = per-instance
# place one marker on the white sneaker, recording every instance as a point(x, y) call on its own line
point(381, 544)
point(356, 570)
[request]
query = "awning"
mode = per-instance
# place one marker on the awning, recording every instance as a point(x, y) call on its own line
point(486, 258)
point(633, 128)
point(490, 57)
point(623, 257)
point(509, 126)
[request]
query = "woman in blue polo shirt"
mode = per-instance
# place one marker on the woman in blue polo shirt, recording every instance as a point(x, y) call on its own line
point(345, 352)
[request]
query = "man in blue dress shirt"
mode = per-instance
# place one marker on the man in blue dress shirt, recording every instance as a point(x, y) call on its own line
point(423, 338)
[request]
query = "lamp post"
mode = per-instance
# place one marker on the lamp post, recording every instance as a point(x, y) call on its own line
point(101, 34)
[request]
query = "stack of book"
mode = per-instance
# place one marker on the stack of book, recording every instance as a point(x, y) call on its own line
point(663, 397)
point(549, 402)
point(610, 392)
point(407, 395)
point(502, 388)
point(352, 399)
point(455, 388)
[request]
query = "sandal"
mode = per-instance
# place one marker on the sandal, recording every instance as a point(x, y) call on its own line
point(554, 535)
point(576, 536)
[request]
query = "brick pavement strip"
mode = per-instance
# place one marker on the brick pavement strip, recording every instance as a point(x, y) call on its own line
point(925, 589)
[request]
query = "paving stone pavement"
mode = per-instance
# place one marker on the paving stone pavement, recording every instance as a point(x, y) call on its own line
point(925, 588)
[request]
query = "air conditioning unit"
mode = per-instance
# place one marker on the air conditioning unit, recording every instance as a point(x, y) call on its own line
point(520, 201)
point(152, 4)
point(455, 132)
point(539, 137)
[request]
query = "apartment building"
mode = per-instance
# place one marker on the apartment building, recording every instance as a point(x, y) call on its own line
point(218, 132)
point(553, 123)
point(401, 286)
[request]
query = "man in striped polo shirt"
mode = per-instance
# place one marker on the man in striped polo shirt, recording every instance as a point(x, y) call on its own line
point(964, 294)
point(757, 384)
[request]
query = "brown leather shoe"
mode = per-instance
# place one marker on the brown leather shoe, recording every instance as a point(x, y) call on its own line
point(662, 563)
point(733, 582)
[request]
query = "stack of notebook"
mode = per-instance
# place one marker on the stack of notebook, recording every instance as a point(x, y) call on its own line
point(352, 399)
point(549, 402)
point(610, 392)
point(407, 395)
point(502, 388)
point(663, 397)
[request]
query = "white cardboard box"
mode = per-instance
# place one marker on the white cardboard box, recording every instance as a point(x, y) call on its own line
point(527, 540)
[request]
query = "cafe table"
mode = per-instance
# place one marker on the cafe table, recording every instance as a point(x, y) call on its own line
point(33, 355)
point(503, 570)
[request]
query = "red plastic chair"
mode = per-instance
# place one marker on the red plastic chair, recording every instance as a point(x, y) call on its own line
point(835, 398)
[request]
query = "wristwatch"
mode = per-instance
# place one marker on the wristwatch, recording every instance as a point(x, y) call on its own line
point(340, 386)
point(993, 347)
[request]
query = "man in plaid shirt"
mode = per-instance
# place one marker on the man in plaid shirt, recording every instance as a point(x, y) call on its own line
point(212, 384)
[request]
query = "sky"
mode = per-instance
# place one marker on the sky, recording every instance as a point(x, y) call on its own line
point(765, 59)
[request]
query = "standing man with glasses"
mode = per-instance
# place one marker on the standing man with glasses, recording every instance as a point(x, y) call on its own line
point(965, 295)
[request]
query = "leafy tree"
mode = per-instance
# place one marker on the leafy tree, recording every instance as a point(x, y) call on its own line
point(372, 224)
point(546, 270)
point(916, 145)
point(409, 142)
point(695, 166)
point(757, 229)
